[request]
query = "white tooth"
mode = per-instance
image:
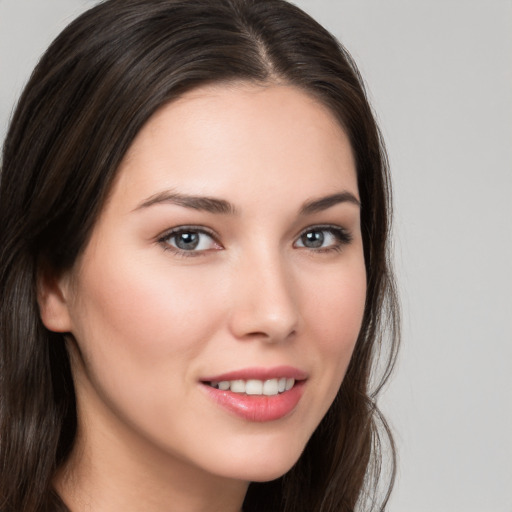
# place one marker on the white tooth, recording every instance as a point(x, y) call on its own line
point(270, 387)
point(281, 386)
point(214, 384)
point(254, 387)
point(237, 386)
point(224, 385)
point(289, 384)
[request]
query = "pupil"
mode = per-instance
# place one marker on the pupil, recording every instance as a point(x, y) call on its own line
point(187, 241)
point(313, 239)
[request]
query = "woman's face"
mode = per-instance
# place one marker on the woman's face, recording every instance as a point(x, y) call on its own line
point(226, 264)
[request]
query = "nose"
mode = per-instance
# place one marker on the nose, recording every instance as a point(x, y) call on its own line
point(265, 304)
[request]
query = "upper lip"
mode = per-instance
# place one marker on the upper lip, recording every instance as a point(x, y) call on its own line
point(259, 373)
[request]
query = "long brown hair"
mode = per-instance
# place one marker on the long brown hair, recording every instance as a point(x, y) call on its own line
point(90, 94)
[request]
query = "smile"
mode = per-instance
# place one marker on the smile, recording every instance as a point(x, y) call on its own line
point(257, 394)
point(256, 387)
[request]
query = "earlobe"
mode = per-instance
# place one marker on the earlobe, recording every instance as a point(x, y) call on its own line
point(52, 297)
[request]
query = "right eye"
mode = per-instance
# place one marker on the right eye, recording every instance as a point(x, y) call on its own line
point(189, 240)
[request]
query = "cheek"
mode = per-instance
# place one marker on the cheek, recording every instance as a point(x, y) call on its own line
point(139, 314)
point(334, 315)
point(141, 329)
point(336, 310)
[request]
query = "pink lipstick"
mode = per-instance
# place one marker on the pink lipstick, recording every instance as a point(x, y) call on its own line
point(257, 394)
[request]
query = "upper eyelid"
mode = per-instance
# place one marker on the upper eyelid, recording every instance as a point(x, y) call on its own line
point(184, 228)
point(211, 232)
point(323, 227)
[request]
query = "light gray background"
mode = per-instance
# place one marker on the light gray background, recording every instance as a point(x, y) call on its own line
point(440, 78)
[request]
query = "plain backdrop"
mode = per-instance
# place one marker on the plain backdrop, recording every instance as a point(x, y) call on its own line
point(439, 74)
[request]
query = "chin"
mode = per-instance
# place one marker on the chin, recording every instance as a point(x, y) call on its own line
point(263, 466)
point(269, 474)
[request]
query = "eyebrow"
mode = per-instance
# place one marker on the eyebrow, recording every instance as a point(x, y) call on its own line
point(323, 203)
point(203, 203)
point(223, 207)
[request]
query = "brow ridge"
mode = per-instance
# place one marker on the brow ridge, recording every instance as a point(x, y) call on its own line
point(221, 206)
point(203, 203)
point(323, 203)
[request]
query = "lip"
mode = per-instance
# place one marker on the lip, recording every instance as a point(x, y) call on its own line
point(259, 373)
point(256, 408)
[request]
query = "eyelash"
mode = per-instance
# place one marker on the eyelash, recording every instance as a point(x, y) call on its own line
point(341, 235)
point(164, 240)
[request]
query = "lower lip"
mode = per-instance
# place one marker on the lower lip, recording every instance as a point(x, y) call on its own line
point(258, 408)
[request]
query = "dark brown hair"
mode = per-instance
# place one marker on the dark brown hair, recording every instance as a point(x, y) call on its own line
point(93, 90)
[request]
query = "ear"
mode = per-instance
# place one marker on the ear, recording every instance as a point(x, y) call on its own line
point(52, 297)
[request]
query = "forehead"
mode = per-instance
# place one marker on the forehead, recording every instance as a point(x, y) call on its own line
point(214, 139)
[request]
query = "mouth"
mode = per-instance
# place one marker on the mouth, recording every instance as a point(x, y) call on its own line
point(255, 387)
point(258, 394)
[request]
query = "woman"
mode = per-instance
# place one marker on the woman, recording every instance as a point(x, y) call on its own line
point(195, 212)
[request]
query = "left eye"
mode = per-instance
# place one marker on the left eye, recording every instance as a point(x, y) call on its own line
point(190, 240)
point(323, 238)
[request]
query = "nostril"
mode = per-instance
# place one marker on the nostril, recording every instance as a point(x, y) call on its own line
point(270, 336)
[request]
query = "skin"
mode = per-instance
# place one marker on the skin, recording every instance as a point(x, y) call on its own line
point(148, 322)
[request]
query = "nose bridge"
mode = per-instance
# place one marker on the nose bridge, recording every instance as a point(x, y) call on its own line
point(264, 301)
